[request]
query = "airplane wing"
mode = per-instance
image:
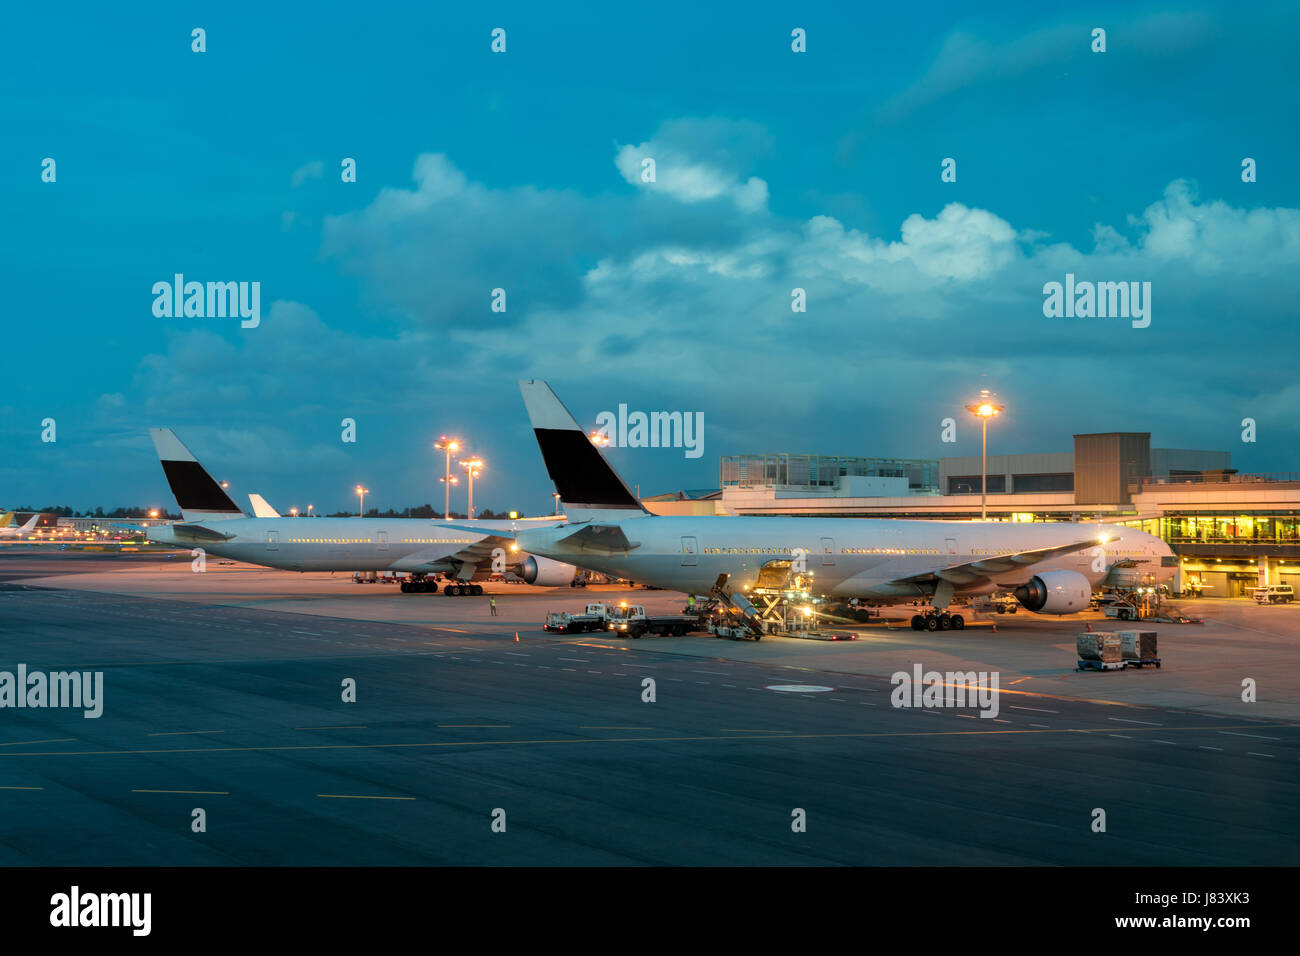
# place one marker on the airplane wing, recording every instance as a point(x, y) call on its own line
point(453, 555)
point(961, 575)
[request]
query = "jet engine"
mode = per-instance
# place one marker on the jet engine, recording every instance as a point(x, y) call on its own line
point(546, 573)
point(1055, 592)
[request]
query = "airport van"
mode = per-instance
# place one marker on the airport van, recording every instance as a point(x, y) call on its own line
point(1275, 594)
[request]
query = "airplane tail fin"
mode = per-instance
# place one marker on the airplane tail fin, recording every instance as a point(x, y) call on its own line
point(6, 519)
point(30, 524)
point(261, 509)
point(590, 489)
point(200, 498)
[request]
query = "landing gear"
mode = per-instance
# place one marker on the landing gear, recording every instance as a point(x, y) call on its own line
point(938, 621)
point(459, 590)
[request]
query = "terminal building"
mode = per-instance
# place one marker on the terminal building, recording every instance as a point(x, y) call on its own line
point(1232, 531)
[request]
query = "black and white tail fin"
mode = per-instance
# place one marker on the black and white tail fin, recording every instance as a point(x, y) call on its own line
point(200, 498)
point(590, 489)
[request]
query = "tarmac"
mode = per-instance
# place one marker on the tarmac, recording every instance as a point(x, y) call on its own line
point(224, 692)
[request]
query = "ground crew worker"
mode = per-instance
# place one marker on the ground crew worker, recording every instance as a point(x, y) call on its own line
point(493, 602)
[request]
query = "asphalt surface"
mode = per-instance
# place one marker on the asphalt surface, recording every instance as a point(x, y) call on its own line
point(238, 711)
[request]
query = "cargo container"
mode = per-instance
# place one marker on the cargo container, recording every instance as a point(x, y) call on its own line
point(1138, 645)
point(1102, 646)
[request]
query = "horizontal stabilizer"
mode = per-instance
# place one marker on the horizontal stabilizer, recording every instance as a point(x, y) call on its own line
point(600, 538)
point(197, 532)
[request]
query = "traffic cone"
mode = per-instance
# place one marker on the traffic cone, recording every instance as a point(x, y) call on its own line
point(995, 627)
point(1088, 626)
point(516, 637)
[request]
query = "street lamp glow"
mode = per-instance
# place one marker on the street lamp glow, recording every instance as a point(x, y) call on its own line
point(447, 446)
point(599, 438)
point(361, 494)
point(984, 407)
point(473, 467)
point(293, 512)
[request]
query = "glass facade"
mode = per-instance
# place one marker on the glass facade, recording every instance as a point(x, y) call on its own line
point(822, 471)
point(1261, 527)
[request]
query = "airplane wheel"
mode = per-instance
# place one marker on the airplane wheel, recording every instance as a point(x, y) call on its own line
point(932, 623)
point(957, 622)
point(945, 622)
point(918, 622)
point(478, 590)
point(447, 590)
point(406, 587)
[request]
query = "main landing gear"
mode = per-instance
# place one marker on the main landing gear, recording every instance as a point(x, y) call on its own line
point(418, 584)
point(937, 621)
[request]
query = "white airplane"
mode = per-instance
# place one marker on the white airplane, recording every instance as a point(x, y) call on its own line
point(261, 508)
point(460, 551)
point(1051, 567)
point(7, 531)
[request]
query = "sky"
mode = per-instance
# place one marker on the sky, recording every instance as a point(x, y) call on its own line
point(523, 170)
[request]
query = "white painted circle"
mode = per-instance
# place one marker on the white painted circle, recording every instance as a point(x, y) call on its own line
point(799, 688)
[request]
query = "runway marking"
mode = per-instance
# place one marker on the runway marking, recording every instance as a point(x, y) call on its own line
point(1253, 754)
point(430, 745)
point(490, 726)
point(1128, 721)
point(516, 654)
point(185, 733)
point(211, 793)
point(22, 788)
point(50, 740)
point(1159, 741)
point(743, 730)
point(337, 727)
point(457, 630)
point(575, 660)
point(1041, 710)
point(355, 796)
point(1044, 726)
point(1203, 747)
point(1256, 736)
point(599, 727)
point(1120, 736)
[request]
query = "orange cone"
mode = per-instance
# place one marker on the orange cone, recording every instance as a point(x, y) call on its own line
point(1088, 626)
point(995, 627)
point(516, 637)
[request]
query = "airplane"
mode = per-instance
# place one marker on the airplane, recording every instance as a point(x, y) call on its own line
point(1050, 567)
point(261, 509)
point(420, 547)
point(8, 531)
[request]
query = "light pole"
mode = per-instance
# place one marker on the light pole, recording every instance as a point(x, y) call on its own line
point(556, 496)
point(986, 406)
point(293, 512)
point(448, 445)
point(309, 507)
point(472, 468)
point(361, 494)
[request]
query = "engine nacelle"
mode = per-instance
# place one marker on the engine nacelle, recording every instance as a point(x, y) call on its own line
point(1055, 592)
point(546, 573)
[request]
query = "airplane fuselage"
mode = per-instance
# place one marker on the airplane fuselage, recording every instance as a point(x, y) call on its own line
point(850, 557)
point(424, 545)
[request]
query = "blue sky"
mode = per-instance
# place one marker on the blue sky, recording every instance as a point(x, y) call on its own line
point(776, 170)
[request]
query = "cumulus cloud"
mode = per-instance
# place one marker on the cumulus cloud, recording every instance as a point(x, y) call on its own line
point(698, 160)
point(313, 170)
